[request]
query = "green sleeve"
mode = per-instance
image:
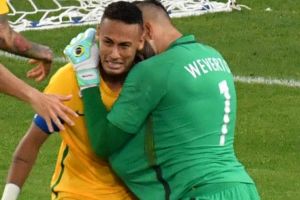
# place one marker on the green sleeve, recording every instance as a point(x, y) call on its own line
point(141, 93)
point(105, 138)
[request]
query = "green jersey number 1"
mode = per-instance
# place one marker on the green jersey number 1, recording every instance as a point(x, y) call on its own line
point(224, 90)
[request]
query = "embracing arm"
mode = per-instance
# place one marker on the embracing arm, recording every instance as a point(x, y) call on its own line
point(105, 138)
point(24, 159)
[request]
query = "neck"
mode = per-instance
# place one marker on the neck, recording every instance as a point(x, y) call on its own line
point(114, 86)
point(167, 39)
point(114, 82)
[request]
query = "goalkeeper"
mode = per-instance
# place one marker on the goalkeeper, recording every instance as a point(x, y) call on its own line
point(79, 173)
point(170, 133)
point(48, 106)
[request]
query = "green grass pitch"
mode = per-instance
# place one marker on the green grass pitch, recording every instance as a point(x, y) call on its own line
point(255, 43)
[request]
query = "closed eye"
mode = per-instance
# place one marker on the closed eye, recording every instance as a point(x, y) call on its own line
point(107, 42)
point(125, 45)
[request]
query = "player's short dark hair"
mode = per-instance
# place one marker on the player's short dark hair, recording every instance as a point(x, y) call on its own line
point(123, 11)
point(154, 3)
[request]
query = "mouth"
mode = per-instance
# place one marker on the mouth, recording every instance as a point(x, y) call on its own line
point(114, 64)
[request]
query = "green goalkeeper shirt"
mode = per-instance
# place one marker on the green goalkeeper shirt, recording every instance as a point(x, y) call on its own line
point(181, 107)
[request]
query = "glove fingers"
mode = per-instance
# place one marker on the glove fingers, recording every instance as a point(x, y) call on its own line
point(79, 48)
point(76, 39)
point(89, 34)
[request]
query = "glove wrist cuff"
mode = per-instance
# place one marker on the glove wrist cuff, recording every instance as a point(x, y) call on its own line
point(88, 77)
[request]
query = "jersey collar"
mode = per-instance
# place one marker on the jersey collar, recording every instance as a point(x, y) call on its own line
point(183, 40)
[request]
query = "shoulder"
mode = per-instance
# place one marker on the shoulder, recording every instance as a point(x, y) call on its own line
point(63, 81)
point(156, 62)
point(207, 49)
point(64, 72)
point(148, 69)
point(158, 67)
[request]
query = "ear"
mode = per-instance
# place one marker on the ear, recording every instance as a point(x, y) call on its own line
point(142, 41)
point(97, 32)
point(148, 30)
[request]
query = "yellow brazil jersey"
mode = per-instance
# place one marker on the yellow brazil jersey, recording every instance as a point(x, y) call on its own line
point(79, 173)
point(3, 7)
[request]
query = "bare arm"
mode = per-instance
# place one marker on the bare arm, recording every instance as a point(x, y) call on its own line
point(25, 155)
point(15, 43)
point(13, 86)
point(49, 107)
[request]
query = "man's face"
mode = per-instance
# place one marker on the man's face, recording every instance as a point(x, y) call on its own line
point(119, 43)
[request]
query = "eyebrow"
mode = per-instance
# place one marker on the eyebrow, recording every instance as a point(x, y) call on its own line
point(125, 43)
point(121, 43)
point(107, 38)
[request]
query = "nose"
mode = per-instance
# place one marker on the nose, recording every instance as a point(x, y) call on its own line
point(115, 54)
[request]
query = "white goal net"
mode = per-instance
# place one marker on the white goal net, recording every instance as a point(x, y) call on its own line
point(47, 14)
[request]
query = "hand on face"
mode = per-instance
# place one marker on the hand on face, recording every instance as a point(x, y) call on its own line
point(83, 53)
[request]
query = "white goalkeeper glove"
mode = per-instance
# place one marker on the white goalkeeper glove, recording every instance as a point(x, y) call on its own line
point(83, 53)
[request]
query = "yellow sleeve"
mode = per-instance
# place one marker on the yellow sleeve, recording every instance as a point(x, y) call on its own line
point(3, 7)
